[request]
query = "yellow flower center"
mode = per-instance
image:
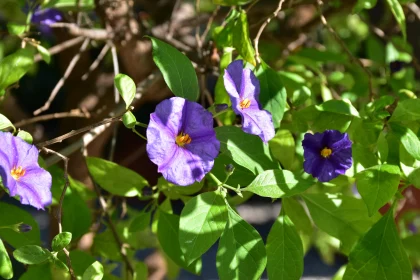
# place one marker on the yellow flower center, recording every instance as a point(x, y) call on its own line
point(326, 152)
point(17, 172)
point(245, 103)
point(182, 139)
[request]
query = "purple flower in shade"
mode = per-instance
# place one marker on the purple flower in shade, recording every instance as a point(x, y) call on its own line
point(21, 174)
point(244, 90)
point(327, 154)
point(181, 141)
point(46, 17)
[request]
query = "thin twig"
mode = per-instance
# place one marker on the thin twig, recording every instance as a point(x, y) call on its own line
point(251, 5)
point(116, 99)
point(97, 61)
point(91, 33)
point(171, 28)
point(208, 26)
point(72, 114)
point(67, 73)
point(60, 204)
point(344, 47)
point(61, 47)
point(197, 28)
point(263, 26)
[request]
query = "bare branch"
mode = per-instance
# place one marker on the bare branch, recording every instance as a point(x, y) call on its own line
point(61, 47)
point(91, 33)
point(98, 60)
point(77, 113)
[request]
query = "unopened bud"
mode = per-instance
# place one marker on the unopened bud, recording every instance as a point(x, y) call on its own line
point(220, 107)
point(229, 168)
point(24, 228)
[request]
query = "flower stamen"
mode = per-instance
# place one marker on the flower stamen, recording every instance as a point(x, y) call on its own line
point(17, 172)
point(245, 103)
point(326, 152)
point(182, 139)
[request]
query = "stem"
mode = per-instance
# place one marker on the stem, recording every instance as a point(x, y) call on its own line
point(141, 124)
point(136, 132)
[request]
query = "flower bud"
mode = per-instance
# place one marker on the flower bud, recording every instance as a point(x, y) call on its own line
point(229, 168)
point(24, 227)
point(220, 107)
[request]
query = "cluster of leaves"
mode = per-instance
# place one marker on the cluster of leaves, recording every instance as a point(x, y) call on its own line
point(301, 97)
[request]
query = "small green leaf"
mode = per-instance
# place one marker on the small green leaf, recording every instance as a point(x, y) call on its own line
point(364, 4)
point(26, 136)
point(407, 110)
point(272, 92)
point(31, 254)
point(231, 2)
point(241, 253)
point(126, 87)
point(94, 272)
point(399, 15)
point(42, 271)
point(202, 222)
point(16, 29)
point(343, 217)
point(283, 147)
point(6, 269)
point(140, 222)
point(14, 66)
point(241, 40)
point(377, 185)
point(60, 241)
point(177, 70)
point(115, 178)
point(5, 122)
point(45, 54)
point(408, 139)
point(379, 254)
point(284, 250)
point(339, 107)
point(77, 218)
point(278, 183)
point(129, 120)
point(245, 149)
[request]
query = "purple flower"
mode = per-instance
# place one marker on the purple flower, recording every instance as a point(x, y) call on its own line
point(181, 141)
point(244, 90)
point(21, 174)
point(327, 154)
point(46, 17)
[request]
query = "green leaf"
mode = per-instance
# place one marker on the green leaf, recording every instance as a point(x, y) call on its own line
point(140, 222)
point(16, 29)
point(399, 15)
point(343, 217)
point(412, 245)
point(60, 241)
point(45, 54)
point(245, 149)
point(26, 136)
point(241, 40)
point(14, 66)
point(6, 269)
point(364, 4)
point(94, 272)
point(241, 253)
point(379, 254)
point(283, 147)
point(115, 178)
point(177, 70)
point(31, 254)
point(231, 2)
point(202, 222)
point(377, 185)
point(140, 271)
point(272, 92)
point(5, 122)
point(126, 88)
point(77, 217)
point(407, 110)
point(284, 250)
point(408, 139)
point(278, 183)
point(339, 107)
point(129, 120)
point(14, 216)
point(84, 5)
point(42, 271)
point(80, 261)
point(168, 231)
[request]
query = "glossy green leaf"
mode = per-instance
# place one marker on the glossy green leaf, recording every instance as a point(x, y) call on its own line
point(245, 149)
point(377, 185)
point(282, 147)
point(231, 2)
point(278, 183)
point(408, 139)
point(14, 216)
point(379, 254)
point(284, 250)
point(77, 217)
point(364, 4)
point(26, 136)
point(339, 107)
point(343, 217)
point(272, 92)
point(31, 254)
point(126, 87)
point(45, 54)
point(94, 272)
point(14, 66)
point(115, 178)
point(16, 29)
point(407, 110)
point(241, 253)
point(42, 271)
point(5, 122)
point(177, 70)
point(241, 40)
point(80, 261)
point(60, 241)
point(202, 222)
point(168, 231)
point(140, 222)
point(399, 15)
point(6, 269)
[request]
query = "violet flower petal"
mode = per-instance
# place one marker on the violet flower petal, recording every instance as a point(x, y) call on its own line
point(258, 122)
point(34, 187)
